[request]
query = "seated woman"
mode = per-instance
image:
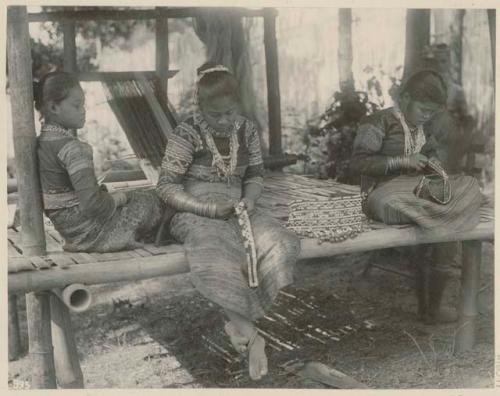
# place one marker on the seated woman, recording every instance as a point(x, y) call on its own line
point(391, 152)
point(88, 218)
point(212, 162)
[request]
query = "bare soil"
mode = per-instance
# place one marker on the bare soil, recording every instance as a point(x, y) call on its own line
point(161, 333)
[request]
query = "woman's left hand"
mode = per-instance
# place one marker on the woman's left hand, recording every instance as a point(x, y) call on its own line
point(249, 204)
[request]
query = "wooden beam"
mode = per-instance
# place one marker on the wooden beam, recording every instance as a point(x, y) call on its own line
point(14, 333)
point(125, 75)
point(162, 55)
point(69, 47)
point(174, 261)
point(273, 81)
point(23, 123)
point(465, 335)
point(135, 14)
point(40, 341)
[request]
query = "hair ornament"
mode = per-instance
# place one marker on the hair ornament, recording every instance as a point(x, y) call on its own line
point(216, 68)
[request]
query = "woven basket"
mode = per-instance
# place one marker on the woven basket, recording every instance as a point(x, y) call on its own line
point(327, 219)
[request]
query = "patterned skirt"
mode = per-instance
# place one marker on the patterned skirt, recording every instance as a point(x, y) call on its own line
point(217, 260)
point(393, 202)
point(133, 221)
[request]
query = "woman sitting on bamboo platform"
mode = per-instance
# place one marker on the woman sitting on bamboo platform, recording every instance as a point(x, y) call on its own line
point(391, 152)
point(212, 162)
point(88, 218)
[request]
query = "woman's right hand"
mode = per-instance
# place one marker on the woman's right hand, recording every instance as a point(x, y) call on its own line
point(120, 198)
point(418, 161)
point(224, 209)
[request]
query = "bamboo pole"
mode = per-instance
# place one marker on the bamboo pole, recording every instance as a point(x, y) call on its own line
point(125, 75)
point(173, 262)
point(273, 81)
point(162, 55)
point(418, 27)
point(346, 77)
point(21, 92)
point(465, 335)
point(30, 202)
point(69, 46)
point(14, 333)
point(135, 14)
point(492, 27)
point(40, 341)
point(67, 365)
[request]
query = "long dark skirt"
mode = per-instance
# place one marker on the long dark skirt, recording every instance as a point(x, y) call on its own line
point(217, 260)
point(131, 222)
point(393, 202)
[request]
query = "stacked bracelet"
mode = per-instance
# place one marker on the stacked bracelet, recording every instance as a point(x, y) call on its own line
point(398, 163)
point(187, 203)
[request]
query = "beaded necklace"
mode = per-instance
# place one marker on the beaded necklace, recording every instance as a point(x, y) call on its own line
point(225, 165)
point(414, 138)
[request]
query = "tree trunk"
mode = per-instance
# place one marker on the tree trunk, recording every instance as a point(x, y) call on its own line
point(417, 37)
point(346, 79)
point(225, 40)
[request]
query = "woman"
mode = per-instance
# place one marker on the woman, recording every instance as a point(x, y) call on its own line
point(212, 162)
point(391, 152)
point(88, 218)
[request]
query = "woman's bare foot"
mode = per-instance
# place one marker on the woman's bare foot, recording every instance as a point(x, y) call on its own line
point(257, 359)
point(238, 341)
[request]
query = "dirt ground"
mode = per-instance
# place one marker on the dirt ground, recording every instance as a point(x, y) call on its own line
point(161, 333)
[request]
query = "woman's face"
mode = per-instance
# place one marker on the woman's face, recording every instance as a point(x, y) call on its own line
point(70, 112)
point(221, 113)
point(418, 113)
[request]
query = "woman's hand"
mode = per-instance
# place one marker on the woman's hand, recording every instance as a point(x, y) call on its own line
point(120, 198)
point(417, 161)
point(223, 209)
point(249, 204)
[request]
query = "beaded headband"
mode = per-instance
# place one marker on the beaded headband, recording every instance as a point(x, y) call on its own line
point(216, 68)
point(201, 74)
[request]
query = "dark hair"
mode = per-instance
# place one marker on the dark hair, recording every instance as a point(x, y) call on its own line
point(53, 87)
point(216, 83)
point(425, 86)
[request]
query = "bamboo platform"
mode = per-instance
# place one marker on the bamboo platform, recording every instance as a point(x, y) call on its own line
point(41, 273)
point(50, 327)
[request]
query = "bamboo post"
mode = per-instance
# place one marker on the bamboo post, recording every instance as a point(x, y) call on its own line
point(23, 123)
point(418, 26)
point(14, 333)
point(66, 361)
point(492, 27)
point(471, 267)
point(69, 46)
point(162, 54)
point(273, 81)
point(30, 202)
point(40, 341)
point(346, 78)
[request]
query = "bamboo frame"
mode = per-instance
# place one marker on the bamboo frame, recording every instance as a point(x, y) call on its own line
point(471, 273)
point(174, 262)
point(14, 334)
point(161, 54)
point(40, 341)
point(273, 82)
point(69, 47)
point(137, 14)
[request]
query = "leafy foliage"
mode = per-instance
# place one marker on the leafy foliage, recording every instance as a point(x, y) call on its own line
point(328, 139)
